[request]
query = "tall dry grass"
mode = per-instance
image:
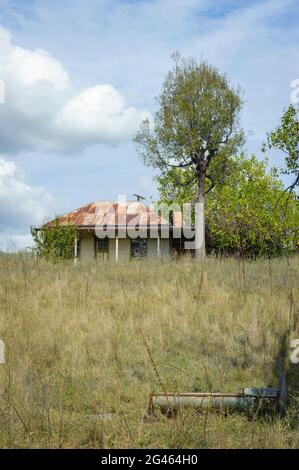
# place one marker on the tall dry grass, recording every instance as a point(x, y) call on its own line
point(75, 349)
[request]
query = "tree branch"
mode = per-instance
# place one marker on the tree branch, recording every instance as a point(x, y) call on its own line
point(181, 165)
point(186, 183)
point(289, 190)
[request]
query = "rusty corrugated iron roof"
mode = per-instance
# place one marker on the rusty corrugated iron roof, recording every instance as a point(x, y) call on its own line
point(111, 214)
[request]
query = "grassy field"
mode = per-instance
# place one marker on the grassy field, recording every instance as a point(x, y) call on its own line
point(75, 347)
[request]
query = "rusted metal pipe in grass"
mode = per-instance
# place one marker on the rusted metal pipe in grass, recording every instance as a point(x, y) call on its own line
point(250, 400)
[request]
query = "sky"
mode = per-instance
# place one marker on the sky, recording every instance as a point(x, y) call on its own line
point(79, 76)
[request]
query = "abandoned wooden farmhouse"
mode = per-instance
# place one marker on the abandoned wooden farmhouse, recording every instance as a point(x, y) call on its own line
point(105, 231)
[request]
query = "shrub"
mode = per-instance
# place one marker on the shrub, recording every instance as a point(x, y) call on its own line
point(55, 241)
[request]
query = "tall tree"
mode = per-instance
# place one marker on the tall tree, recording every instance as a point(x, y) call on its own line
point(196, 126)
point(286, 139)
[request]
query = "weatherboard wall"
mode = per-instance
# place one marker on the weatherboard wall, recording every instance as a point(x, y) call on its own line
point(87, 251)
point(87, 247)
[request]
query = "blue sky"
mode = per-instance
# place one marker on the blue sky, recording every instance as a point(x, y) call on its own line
point(104, 61)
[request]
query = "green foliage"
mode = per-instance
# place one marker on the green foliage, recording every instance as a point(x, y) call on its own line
point(196, 125)
point(177, 185)
point(55, 241)
point(242, 214)
point(286, 138)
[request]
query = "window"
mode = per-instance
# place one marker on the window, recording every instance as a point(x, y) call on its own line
point(102, 246)
point(138, 247)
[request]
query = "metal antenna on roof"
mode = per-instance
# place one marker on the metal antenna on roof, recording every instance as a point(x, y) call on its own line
point(138, 197)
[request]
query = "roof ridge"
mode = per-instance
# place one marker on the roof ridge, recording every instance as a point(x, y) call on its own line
point(87, 214)
point(75, 210)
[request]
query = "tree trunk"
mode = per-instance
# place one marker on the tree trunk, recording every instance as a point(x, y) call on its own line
point(200, 242)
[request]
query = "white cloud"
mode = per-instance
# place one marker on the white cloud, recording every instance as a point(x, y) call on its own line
point(98, 113)
point(26, 68)
point(21, 205)
point(44, 112)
